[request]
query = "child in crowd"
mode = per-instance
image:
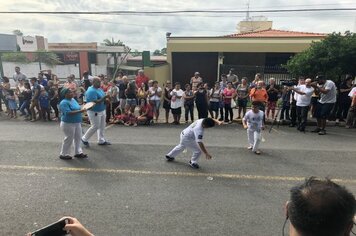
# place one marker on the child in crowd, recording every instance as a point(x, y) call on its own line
point(146, 112)
point(27, 95)
point(253, 122)
point(44, 100)
point(11, 100)
point(127, 119)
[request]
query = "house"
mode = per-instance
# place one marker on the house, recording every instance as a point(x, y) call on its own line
point(258, 51)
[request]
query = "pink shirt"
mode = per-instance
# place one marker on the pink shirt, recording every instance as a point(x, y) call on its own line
point(228, 92)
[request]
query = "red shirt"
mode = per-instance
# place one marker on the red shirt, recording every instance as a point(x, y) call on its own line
point(105, 87)
point(141, 79)
point(147, 108)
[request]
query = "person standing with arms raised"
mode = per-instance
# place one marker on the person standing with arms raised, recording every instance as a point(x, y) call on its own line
point(97, 115)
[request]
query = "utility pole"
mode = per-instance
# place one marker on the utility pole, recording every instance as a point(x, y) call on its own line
point(248, 11)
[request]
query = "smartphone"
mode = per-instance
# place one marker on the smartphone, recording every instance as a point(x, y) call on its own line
point(55, 229)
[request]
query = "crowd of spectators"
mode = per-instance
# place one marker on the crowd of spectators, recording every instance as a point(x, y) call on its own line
point(138, 101)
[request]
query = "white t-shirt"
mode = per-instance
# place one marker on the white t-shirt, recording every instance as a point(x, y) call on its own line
point(329, 97)
point(352, 92)
point(304, 100)
point(152, 91)
point(254, 120)
point(176, 102)
point(195, 131)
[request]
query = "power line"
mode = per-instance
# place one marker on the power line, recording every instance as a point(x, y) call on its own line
point(175, 12)
point(141, 25)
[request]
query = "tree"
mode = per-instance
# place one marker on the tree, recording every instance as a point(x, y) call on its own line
point(164, 51)
point(15, 57)
point(17, 32)
point(136, 53)
point(49, 58)
point(111, 43)
point(157, 52)
point(334, 56)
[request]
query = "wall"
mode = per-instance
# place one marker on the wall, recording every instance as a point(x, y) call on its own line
point(159, 73)
point(32, 69)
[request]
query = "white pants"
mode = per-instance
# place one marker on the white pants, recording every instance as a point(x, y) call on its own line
point(97, 122)
point(72, 134)
point(254, 138)
point(186, 143)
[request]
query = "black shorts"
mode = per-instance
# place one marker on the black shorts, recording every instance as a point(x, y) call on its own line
point(314, 101)
point(176, 111)
point(214, 106)
point(242, 102)
point(323, 110)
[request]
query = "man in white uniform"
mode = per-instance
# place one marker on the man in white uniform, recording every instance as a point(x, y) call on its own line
point(253, 122)
point(192, 138)
point(305, 92)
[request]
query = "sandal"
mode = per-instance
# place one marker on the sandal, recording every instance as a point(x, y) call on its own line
point(257, 152)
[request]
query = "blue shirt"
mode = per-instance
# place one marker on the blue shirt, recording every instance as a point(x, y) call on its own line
point(44, 100)
point(93, 94)
point(66, 106)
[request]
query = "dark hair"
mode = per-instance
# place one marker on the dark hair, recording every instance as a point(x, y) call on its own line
point(223, 75)
point(348, 77)
point(320, 77)
point(256, 103)
point(27, 85)
point(5, 79)
point(208, 122)
point(176, 83)
point(33, 79)
point(144, 101)
point(321, 208)
point(186, 85)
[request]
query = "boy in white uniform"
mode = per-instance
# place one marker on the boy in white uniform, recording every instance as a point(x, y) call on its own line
point(192, 138)
point(253, 122)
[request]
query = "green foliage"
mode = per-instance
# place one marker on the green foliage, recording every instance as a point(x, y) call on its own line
point(136, 53)
point(17, 32)
point(157, 53)
point(112, 42)
point(334, 56)
point(49, 58)
point(15, 57)
point(164, 51)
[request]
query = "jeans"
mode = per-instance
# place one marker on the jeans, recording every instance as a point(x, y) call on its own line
point(302, 114)
point(228, 110)
point(25, 105)
point(189, 108)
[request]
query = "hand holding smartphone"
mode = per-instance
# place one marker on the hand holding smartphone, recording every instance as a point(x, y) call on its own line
point(55, 229)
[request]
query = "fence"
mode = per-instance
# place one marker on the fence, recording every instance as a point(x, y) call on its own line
point(267, 72)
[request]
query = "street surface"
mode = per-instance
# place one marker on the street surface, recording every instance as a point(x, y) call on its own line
point(129, 189)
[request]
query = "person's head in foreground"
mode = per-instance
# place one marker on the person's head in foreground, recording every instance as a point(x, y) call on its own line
point(320, 207)
point(208, 123)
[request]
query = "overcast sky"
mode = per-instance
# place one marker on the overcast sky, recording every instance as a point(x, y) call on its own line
point(148, 32)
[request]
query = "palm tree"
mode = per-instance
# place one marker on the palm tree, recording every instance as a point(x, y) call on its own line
point(112, 42)
point(49, 58)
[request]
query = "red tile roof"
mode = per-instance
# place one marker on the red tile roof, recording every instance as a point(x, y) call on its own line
point(272, 33)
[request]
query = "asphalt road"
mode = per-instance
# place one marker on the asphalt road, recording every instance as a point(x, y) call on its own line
point(129, 189)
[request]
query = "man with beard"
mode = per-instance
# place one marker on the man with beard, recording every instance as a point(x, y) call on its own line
point(327, 90)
